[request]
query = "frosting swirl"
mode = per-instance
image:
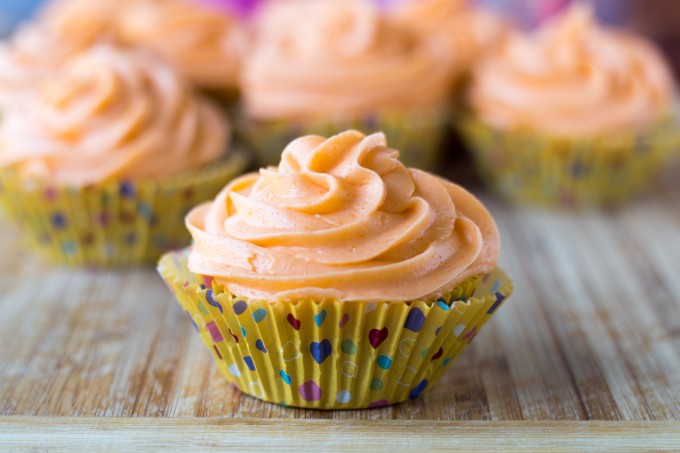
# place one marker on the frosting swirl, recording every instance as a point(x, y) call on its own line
point(573, 77)
point(108, 115)
point(340, 58)
point(206, 43)
point(465, 32)
point(64, 28)
point(342, 218)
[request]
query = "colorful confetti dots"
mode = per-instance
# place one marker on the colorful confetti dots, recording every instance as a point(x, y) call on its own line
point(239, 307)
point(348, 347)
point(415, 320)
point(384, 362)
point(249, 362)
point(320, 350)
point(310, 391)
point(259, 314)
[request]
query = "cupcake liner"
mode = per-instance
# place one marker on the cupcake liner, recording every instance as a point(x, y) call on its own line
point(330, 354)
point(526, 167)
point(418, 135)
point(112, 223)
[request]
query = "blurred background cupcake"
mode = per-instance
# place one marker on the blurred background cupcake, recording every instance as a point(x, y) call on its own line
point(204, 41)
point(323, 67)
point(463, 31)
point(574, 113)
point(100, 161)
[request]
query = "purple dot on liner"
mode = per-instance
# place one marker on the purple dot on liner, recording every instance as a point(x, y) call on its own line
point(436, 332)
point(499, 300)
point(59, 221)
point(249, 362)
point(127, 190)
point(310, 391)
point(414, 320)
point(239, 307)
point(379, 403)
point(103, 218)
point(212, 302)
point(192, 321)
point(214, 331)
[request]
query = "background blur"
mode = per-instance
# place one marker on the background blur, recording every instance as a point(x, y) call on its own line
point(657, 19)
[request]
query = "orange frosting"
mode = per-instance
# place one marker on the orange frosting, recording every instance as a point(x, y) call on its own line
point(109, 115)
point(334, 58)
point(342, 218)
point(463, 31)
point(207, 44)
point(573, 78)
point(64, 28)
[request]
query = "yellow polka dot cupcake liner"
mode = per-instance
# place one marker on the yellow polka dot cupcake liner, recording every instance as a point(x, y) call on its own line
point(330, 354)
point(112, 223)
point(529, 168)
point(418, 135)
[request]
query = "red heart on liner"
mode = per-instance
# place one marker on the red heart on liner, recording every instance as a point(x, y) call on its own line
point(293, 321)
point(375, 337)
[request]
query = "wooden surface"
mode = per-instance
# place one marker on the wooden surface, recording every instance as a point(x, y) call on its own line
point(592, 332)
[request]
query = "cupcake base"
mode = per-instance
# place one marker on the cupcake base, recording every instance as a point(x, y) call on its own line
point(529, 168)
point(418, 135)
point(113, 223)
point(330, 354)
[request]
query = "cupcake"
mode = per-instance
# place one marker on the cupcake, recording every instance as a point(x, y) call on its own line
point(206, 43)
point(100, 162)
point(576, 114)
point(62, 29)
point(339, 279)
point(342, 65)
point(463, 31)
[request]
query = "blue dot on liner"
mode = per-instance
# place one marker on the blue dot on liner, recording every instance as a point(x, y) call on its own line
point(144, 210)
point(441, 304)
point(436, 332)
point(239, 307)
point(211, 300)
point(131, 239)
point(496, 285)
point(249, 362)
point(127, 190)
point(384, 362)
point(59, 221)
point(259, 344)
point(192, 321)
point(243, 331)
point(68, 247)
point(446, 361)
point(286, 378)
point(418, 389)
point(259, 314)
point(499, 300)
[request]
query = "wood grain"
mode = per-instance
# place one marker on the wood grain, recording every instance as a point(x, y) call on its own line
point(592, 332)
point(122, 434)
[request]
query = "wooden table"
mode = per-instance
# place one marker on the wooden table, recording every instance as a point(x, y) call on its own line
point(585, 355)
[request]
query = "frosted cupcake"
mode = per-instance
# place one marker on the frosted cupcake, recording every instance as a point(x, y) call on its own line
point(342, 65)
point(99, 163)
point(576, 113)
point(340, 278)
point(206, 43)
point(463, 31)
point(62, 29)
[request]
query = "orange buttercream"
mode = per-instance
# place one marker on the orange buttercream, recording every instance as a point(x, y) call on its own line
point(63, 29)
point(461, 30)
point(206, 43)
point(336, 58)
point(342, 218)
point(573, 78)
point(108, 115)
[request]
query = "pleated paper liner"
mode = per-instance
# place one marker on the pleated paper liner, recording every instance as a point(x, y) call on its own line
point(418, 135)
point(112, 223)
point(528, 168)
point(330, 354)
